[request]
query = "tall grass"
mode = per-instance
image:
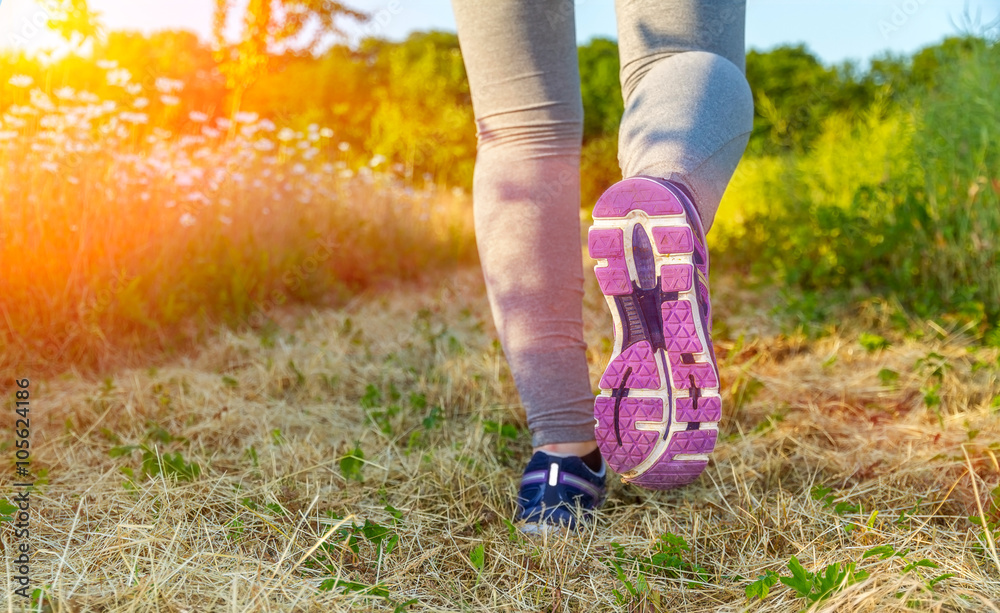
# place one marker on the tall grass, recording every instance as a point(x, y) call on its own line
point(118, 236)
point(898, 201)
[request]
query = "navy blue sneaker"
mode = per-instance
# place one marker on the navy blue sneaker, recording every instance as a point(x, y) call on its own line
point(554, 486)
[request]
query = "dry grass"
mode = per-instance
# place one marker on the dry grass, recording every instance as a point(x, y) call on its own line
point(820, 416)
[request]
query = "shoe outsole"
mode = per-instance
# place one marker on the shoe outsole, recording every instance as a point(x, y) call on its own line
point(657, 414)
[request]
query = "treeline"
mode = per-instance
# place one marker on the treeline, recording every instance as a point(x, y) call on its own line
point(405, 106)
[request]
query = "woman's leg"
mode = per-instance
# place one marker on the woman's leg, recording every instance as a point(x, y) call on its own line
point(522, 67)
point(688, 116)
point(688, 107)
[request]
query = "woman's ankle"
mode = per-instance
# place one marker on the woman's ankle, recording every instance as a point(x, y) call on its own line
point(581, 448)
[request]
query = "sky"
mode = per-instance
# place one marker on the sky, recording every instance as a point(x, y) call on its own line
point(835, 30)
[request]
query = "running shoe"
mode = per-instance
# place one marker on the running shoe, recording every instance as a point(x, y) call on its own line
point(558, 490)
point(657, 414)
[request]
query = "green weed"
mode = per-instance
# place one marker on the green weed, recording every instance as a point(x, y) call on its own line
point(815, 587)
point(666, 560)
point(352, 463)
point(153, 462)
point(367, 545)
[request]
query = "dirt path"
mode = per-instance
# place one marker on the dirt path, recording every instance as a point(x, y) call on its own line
point(255, 446)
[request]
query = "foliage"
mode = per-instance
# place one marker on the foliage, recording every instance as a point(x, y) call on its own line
point(666, 560)
point(856, 182)
point(154, 462)
point(896, 201)
point(818, 586)
point(348, 539)
point(269, 27)
point(352, 463)
point(74, 20)
point(142, 218)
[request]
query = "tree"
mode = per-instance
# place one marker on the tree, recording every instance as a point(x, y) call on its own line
point(271, 27)
point(73, 19)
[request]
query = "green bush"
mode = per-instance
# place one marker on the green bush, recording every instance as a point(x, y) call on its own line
point(897, 200)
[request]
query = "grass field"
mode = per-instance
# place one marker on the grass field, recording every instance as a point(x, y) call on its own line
point(264, 375)
point(367, 457)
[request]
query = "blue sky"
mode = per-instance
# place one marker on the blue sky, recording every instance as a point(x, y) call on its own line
point(834, 30)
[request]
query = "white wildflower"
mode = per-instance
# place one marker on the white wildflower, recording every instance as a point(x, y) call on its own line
point(246, 117)
point(286, 134)
point(65, 93)
point(49, 166)
point(266, 125)
point(134, 118)
point(107, 64)
point(198, 197)
point(226, 220)
point(73, 180)
point(377, 159)
point(210, 132)
point(326, 133)
point(344, 146)
point(140, 103)
point(21, 80)
point(327, 168)
point(170, 100)
point(41, 101)
point(168, 86)
point(133, 89)
point(119, 77)
point(223, 123)
point(299, 169)
point(187, 220)
point(197, 117)
point(263, 144)
point(7, 135)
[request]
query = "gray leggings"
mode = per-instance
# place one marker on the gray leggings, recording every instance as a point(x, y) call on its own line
point(688, 116)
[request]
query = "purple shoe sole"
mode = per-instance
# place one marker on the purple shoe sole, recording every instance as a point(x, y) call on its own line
point(658, 412)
